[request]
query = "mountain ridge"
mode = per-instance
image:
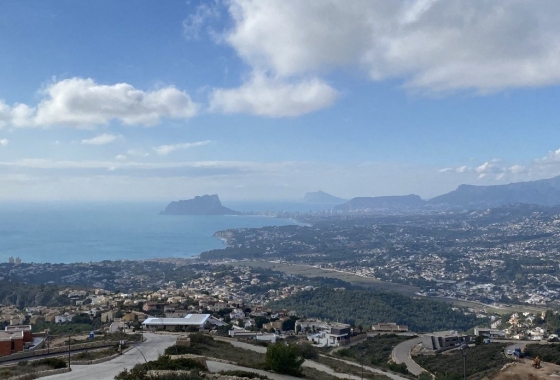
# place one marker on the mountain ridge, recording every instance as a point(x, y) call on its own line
point(321, 197)
point(199, 205)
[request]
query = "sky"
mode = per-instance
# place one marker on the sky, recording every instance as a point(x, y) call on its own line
point(255, 100)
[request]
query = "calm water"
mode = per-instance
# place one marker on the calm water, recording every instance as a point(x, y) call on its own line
point(63, 233)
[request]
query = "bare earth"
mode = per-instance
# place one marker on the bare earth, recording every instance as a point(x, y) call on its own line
point(524, 371)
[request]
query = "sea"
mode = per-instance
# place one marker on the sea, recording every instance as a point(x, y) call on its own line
point(88, 232)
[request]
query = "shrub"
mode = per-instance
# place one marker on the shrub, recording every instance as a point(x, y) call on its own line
point(244, 374)
point(54, 363)
point(200, 338)
point(284, 358)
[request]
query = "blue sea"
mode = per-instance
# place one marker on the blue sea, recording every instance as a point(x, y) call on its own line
point(66, 233)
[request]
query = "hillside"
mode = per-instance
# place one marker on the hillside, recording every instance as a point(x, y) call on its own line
point(394, 203)
point(544, 192)
point(27, 295)
point(322, 197)
point(365, 308)
point(204, 205)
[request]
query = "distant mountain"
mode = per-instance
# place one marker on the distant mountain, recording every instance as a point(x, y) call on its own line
point(321, 197)
point(404, 202)
point(544, 192)
point(204, 205)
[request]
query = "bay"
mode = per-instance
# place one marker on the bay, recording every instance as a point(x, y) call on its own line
point(66, 233)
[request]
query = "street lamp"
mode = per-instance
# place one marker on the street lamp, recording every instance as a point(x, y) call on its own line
point(464, 348)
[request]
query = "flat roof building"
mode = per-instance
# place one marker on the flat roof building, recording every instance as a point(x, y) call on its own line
point(443, 340)
point(179, 324)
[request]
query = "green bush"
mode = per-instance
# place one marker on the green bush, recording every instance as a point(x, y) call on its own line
point(54, 363)
point(200, 338)
point(165, 363)
point(182, 350)
point(284, 358)
point(244, 374)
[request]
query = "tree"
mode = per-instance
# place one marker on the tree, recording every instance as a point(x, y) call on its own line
point(284, 358)
point(424, 376)
point(479, 340)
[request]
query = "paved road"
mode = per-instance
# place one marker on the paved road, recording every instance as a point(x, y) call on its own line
point(401, 354)
point(151, 349)
point(317, 366)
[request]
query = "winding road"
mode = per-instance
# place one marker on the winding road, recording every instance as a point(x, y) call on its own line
point(151, 349)
point(401, 354)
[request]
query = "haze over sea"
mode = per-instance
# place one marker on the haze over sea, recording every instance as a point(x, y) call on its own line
point(66, 233)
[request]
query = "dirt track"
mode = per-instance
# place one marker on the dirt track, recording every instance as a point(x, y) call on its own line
point(524, 371)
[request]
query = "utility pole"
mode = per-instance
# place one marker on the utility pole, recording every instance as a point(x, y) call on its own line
point(464, 348)
point(362, 357)
point(69, 351)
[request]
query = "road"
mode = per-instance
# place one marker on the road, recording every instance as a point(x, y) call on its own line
point(401, 354)
point(151, 349)
point(317, 366)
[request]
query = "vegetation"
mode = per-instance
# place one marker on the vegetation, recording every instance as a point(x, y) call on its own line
point(377, 352)
point(245, 374)
point(481, 361)
point(284, 358)
point(27, 368)
point(205, 345)
point(164, 363)
point(548, 353)
point(24, 295)
point(339, 366)
point(366, 308)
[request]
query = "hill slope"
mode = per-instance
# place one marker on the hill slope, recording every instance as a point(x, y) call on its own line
point(542, 192)
point(404, 202)
point(321, 197)
point(366, 308)
point(204, 205)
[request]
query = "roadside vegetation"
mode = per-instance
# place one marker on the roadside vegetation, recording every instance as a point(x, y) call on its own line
point(376, 351)
point(548, 353)
point(483, 360)
point(25, 367)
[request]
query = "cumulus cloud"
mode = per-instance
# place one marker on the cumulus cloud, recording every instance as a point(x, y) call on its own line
point(4, 142)
point(83, 103)
point(100, 140)
point(164, 150)
point(274, 97)
point(431, 45)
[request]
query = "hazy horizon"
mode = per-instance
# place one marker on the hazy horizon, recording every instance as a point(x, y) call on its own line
point(269, 100)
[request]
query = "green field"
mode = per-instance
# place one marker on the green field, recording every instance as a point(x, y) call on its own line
point(369, 282)
point(309, 271)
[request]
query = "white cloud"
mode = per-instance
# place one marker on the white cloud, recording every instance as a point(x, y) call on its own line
point(137, 153)
point(515, 169)
point(462, 169)
point(83, 103)
point(445, 170)
point(272, 97)
point(100, 140)
point(431, 45)
point(485, 168)
point(164, 150)
point(120, 157)
point(195, 21)
point(4, 142)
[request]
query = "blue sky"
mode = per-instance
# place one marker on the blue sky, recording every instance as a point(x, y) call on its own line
point(147, 100)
